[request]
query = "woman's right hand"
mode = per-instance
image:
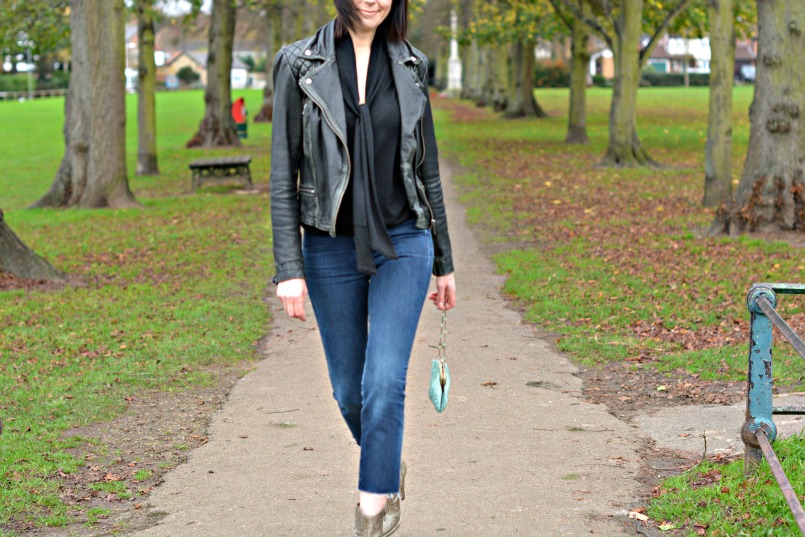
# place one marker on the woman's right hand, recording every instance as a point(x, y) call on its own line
point(292, 293)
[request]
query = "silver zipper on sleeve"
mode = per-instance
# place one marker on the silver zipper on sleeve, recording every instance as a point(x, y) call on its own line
point(430, 209)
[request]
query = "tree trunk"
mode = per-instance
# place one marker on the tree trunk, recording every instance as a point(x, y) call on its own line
point(624, 145)
point(93, 170)
point(501, 69)
point(579, 69)
point(146, 87)
point(487, 75)
point(21, 261)
point(771, 194)
point(217, 129)
point(470, 88)
point(479, 83)
point(441, 67)
point(718, 151)
point(310, 19)
point(300, 19)
point(521, 102)
point(274, 44)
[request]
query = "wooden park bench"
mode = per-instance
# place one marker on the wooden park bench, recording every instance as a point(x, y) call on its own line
point(221, 169)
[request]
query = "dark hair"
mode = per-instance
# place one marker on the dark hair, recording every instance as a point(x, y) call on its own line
point(395, 27)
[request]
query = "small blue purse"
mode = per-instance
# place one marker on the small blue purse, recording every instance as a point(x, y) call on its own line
point(439, 372)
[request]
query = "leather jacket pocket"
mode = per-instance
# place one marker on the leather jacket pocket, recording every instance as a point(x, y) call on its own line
point(308, 204)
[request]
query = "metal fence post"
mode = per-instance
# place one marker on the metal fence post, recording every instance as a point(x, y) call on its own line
point(759, 381)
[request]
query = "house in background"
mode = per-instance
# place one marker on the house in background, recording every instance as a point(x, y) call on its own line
point(745, 60)
point(602, 63)
point(176, 61)
point(672, 53)
point(133, 57)
point(170, 63)
point(197, 60)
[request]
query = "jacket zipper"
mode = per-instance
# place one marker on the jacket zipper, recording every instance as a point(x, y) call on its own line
point(346, 151)
point(422, 141)
point(422, 187)
point(430, 209)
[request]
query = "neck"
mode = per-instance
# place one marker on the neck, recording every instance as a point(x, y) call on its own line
point(362, 40)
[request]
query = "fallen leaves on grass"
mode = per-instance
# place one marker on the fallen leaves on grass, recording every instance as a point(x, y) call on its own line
point(9, 282)
point(626, 252)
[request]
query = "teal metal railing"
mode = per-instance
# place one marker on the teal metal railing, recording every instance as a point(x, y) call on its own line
point(758, 431)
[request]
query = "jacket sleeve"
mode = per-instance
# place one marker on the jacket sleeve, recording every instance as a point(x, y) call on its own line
point(429, 172)
point(286, 147)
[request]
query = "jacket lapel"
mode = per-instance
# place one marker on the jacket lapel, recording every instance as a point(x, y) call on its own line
point(322, 82)
point(410, 94)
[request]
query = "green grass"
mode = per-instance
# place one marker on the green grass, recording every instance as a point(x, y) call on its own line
point(597, 254)
point(167, 295)
point(142, 475)
point(95, 514)
point(33, 142)
point(722, 500)
point(618, 264)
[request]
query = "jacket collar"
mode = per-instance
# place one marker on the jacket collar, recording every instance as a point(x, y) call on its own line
point(322, 83)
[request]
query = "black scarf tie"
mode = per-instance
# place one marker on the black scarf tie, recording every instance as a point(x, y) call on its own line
point(370, 231)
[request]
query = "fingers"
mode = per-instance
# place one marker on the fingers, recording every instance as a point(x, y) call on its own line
point(445, 296)
point(292, 294)
point(447, 300)
point(296, 309)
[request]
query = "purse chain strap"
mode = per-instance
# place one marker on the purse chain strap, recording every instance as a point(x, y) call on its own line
point(443, 337)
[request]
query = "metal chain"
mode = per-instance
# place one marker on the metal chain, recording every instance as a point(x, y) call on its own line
point(443, 337)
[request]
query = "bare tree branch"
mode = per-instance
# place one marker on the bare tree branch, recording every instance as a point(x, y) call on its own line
point(617, 27)
point(592, 23)
point(649, 48)
point(561, 15)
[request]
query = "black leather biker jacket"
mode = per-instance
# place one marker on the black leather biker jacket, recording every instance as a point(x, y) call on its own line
point(310, 163)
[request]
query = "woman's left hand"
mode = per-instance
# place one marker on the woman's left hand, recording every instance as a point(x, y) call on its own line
point(445, 296)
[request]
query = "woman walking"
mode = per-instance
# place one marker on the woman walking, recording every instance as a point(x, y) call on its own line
point(354, 165)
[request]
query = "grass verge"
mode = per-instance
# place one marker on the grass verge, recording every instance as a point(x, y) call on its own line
point(163, 298)
point(718, 500)
point(619, 254)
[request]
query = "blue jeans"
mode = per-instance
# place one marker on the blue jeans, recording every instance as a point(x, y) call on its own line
point(367, 326)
